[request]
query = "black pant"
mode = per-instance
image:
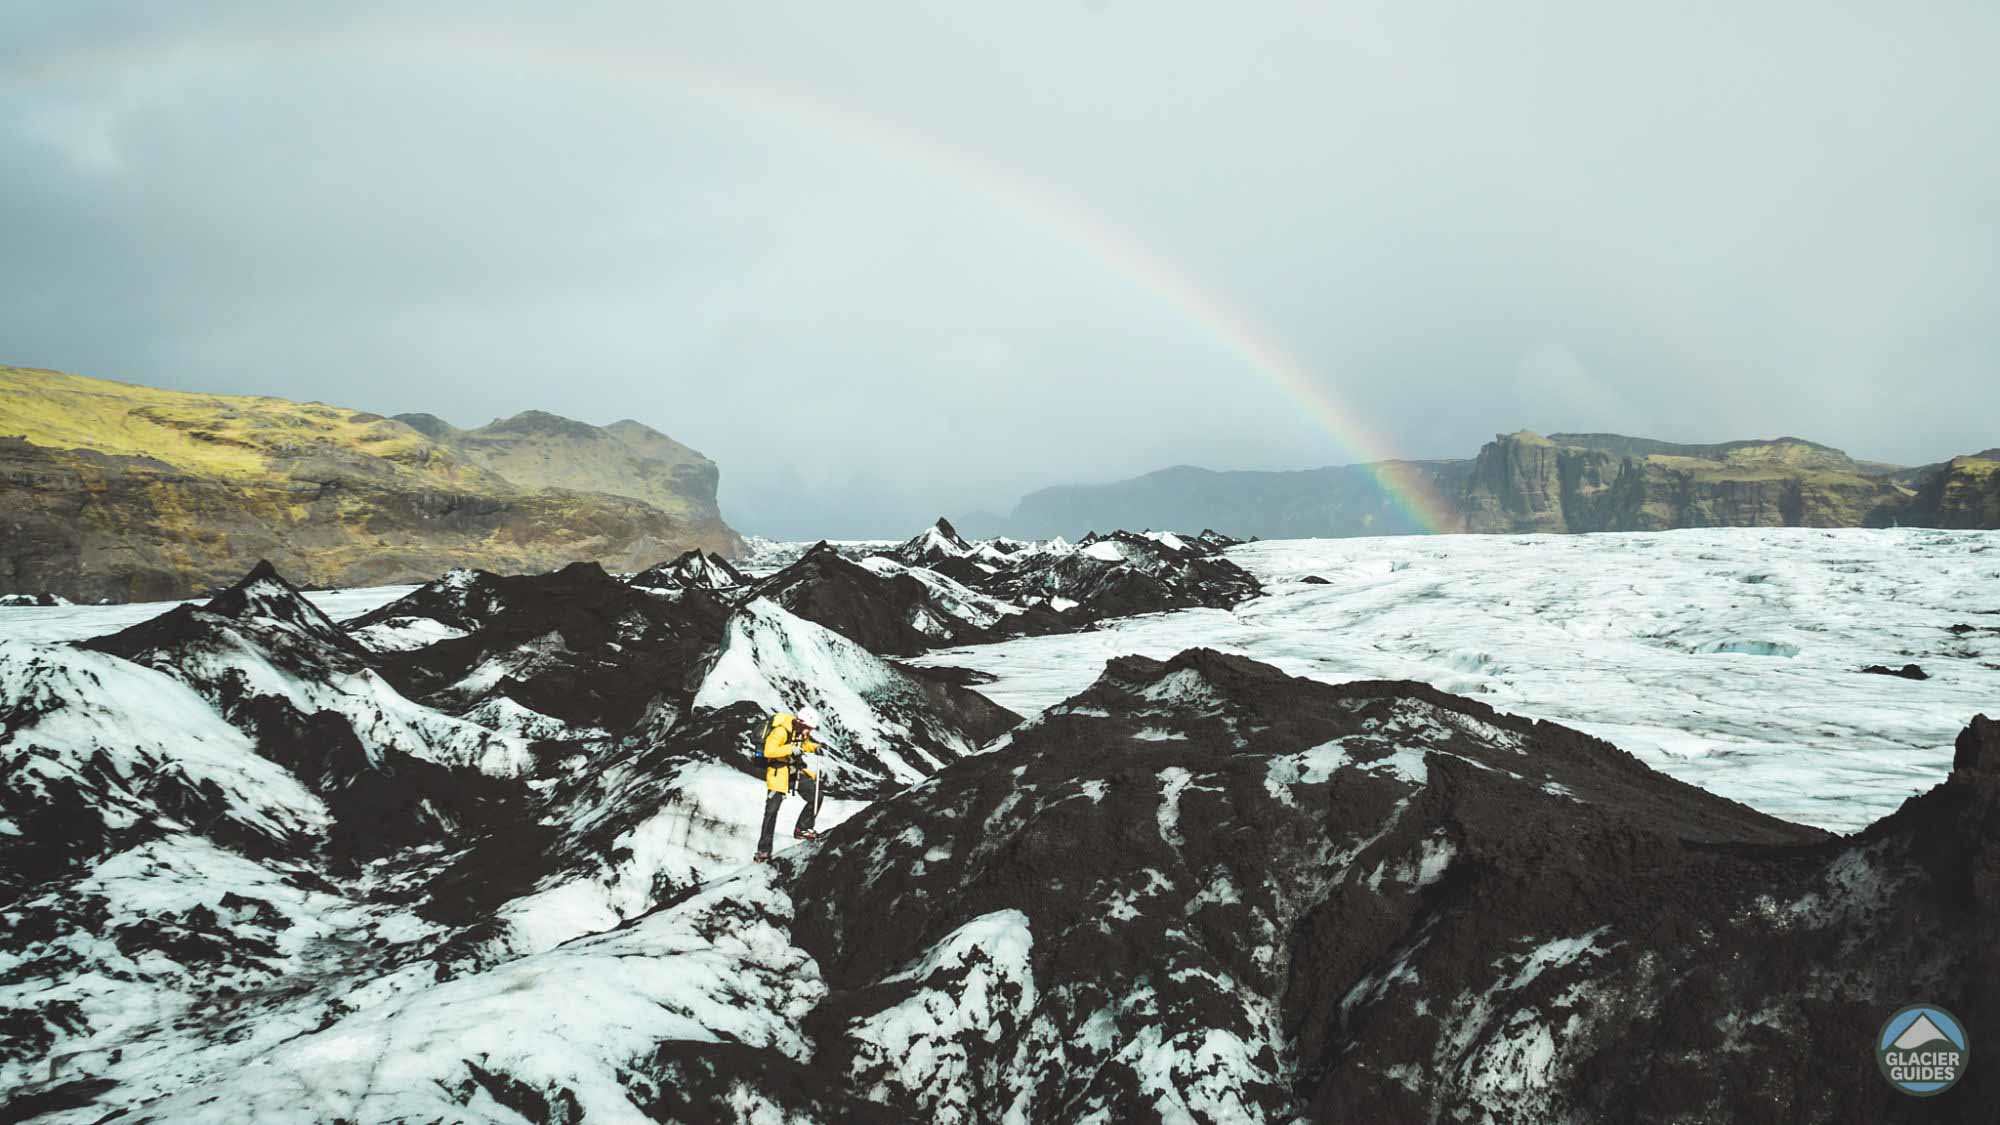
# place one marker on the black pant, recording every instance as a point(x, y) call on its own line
point(807, 789)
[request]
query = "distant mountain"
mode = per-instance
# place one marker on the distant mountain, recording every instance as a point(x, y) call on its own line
point(1525, 482)
point(1338, 501)
point(538, 450)
point(111, 490)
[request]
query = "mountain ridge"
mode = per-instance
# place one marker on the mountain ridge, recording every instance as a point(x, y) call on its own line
point(1528, 482)
point(119, 491)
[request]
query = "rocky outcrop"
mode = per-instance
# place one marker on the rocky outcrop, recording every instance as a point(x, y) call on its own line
point(1963, 492)
point(1524, 482)
point(113, 491)
point(1516, 485)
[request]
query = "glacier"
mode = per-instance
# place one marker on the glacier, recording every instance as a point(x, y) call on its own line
point(1670, 644)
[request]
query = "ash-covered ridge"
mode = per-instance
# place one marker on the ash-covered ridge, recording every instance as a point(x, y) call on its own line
point(939, 590)
point(693, 570)
point(575, 645)
point(241, 820)
point(280, 872)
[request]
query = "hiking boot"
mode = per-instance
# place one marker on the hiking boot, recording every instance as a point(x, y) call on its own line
point(761, 857)
point(805, 834)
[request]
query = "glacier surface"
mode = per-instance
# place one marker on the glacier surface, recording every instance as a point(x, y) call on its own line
point(1729, 658)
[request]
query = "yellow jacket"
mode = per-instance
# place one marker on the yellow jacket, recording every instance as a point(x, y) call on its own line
point(780, 743)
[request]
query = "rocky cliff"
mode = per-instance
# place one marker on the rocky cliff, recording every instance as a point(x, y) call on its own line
point(1524, 482)
point(109, 490)
point(1962, 492)
point(1527, 482)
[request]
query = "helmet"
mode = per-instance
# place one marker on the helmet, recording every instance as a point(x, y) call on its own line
point(807, 717)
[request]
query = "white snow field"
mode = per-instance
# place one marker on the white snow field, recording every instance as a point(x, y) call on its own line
point(1728, 658)
point(81, 622)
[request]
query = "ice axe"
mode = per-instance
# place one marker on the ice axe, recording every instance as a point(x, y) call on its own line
point(819, 792)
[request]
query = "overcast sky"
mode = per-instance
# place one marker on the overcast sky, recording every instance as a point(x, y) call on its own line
point(882, 261)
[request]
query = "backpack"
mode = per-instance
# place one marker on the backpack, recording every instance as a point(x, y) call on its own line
point(771, 763)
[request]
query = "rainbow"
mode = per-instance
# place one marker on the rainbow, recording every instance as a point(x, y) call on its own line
point(1409, 487)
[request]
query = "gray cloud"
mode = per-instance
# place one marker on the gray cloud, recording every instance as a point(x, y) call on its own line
point(880, 261)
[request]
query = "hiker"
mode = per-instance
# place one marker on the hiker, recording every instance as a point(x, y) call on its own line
point(787, 737)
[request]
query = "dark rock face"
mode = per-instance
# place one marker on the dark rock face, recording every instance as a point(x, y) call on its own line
point(265, 744)
point(1524, 482)
point(1963, 492)
point(1517, 485)
point(258, 739)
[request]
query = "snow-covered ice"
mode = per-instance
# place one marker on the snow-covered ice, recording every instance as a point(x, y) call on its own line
point(870, 709)
point(717, 968)
point(973, 986)
point(1729, 658)
point(705, 832)
point(81, 622)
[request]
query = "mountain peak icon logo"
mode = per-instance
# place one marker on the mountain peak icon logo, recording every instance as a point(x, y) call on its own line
point(1921, 1034)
